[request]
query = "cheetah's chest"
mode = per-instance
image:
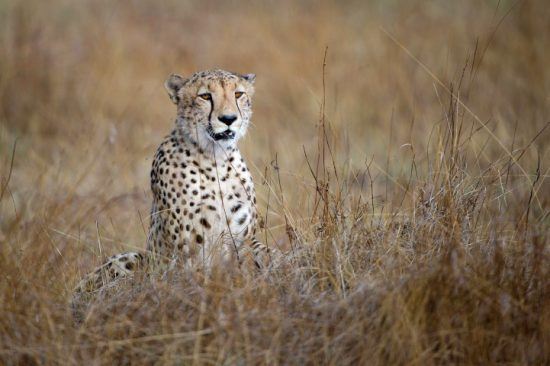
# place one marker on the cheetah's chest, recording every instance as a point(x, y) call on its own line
point(200, 204)
point(213, 201)
point(224, 205)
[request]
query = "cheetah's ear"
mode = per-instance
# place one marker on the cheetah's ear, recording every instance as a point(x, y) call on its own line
point(173, 84)
point(250, 78)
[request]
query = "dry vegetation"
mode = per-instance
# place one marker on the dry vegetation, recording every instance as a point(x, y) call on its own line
point(408, 181)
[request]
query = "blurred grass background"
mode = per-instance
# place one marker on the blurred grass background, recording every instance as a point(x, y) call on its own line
point(81, 94)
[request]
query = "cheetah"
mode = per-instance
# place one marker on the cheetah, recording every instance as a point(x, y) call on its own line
point(204, 204)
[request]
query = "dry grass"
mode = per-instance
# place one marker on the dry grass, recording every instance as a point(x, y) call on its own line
point(408, 181)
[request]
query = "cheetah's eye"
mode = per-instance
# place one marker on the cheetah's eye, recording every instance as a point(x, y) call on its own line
point(238, 94)
point(205, 96)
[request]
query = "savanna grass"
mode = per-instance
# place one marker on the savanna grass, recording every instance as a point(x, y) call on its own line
point(402, 171)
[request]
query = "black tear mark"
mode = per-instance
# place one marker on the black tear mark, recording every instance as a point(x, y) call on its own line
point(211, 110)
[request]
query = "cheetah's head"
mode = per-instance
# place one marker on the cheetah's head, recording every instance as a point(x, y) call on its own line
point(214, 107)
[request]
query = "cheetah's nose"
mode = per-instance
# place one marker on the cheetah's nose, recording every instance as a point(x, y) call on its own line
point(228, 119)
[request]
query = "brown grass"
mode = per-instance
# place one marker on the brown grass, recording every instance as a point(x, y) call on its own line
point(407, 181)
